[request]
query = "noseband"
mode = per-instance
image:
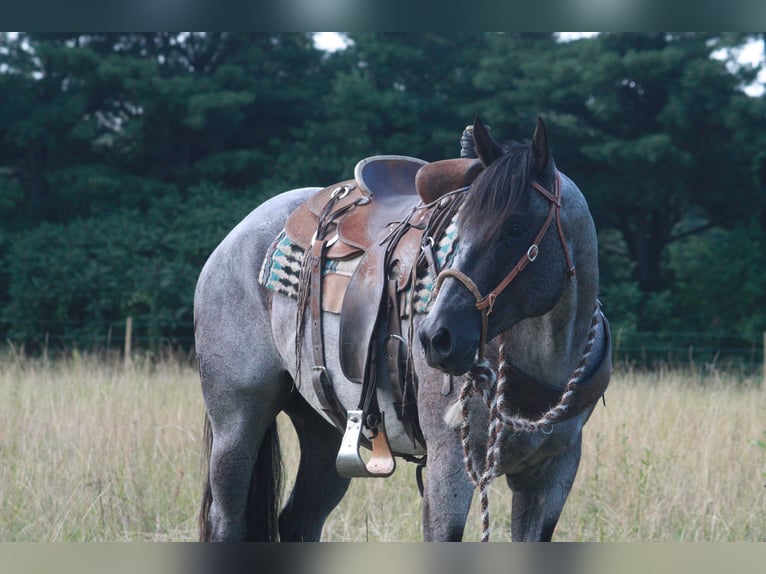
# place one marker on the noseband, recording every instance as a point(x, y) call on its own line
point(486, 303)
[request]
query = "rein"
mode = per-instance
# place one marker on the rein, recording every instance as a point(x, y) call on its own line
point(490, 383)
point(486, 303)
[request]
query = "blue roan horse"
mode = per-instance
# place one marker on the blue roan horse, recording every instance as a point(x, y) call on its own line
point(503, 367)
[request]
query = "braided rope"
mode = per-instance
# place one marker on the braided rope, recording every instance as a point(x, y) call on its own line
point(482, 378)
point(493, 444)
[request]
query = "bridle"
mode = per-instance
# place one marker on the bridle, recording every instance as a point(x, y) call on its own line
point(486, 303)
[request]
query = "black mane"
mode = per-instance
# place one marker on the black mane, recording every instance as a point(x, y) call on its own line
point(499, 192)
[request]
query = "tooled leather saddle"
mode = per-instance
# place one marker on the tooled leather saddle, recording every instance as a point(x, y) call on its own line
point(387, 216)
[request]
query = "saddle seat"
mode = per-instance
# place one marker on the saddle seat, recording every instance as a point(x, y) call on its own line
point(387, 186)
point(384, 185)
point(388, 176)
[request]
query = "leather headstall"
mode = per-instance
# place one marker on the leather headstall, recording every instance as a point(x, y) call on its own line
point(486, 303)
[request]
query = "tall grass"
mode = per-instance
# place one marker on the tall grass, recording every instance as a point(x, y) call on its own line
point(675, 456)
point(93, 450)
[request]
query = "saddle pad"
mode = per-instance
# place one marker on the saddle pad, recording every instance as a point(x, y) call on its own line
point(425, 282)
point(281, 268)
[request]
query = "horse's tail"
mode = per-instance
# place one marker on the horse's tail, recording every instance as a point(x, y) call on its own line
point(263, 500)
point(203, 520)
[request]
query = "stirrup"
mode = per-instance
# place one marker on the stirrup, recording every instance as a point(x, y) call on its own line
point(349, 462)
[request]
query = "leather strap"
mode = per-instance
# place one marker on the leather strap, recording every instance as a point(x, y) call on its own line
point(320, 377)
point(443, 211)
point(311, 289)
point(553, 213)
point(400, 375)
point(486, 303)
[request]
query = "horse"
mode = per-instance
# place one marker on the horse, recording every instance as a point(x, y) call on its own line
point(509, 314)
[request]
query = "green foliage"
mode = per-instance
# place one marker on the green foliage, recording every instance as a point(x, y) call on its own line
point(126, 157)
point(72, 281)
point(725, 269)
point(648, 124)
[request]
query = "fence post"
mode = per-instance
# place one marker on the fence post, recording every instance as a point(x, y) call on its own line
point(128, 339)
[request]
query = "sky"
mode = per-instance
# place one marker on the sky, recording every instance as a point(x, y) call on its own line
point(750, 54)
point(329, 41)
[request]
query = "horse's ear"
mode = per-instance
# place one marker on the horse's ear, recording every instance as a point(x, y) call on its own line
point(487, 148)
point(540, 146)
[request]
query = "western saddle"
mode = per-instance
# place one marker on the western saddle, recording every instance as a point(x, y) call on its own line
point(389, 216)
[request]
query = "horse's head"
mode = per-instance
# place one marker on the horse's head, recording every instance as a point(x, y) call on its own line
point(513, 261)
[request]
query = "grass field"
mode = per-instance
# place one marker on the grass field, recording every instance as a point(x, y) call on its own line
point(93, 451)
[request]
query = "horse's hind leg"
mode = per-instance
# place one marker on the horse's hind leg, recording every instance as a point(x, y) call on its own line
point(243, 467)
point(318, 487)
point(539, 497)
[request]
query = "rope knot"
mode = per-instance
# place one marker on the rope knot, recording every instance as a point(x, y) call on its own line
point(482, 378)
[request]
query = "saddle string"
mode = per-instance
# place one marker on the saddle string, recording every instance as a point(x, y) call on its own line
point(483, 379)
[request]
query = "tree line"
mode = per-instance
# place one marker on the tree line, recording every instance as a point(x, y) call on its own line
point(125, 158)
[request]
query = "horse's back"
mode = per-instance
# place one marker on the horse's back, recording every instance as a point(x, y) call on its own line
point(231, 318)
point(250, 238)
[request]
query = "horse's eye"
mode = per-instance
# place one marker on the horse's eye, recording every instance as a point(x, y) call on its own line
point(514, 229)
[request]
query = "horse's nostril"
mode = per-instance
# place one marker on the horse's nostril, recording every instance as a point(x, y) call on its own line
point(442, 342)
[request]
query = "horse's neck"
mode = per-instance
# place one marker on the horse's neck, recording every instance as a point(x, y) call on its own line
point(548, 348)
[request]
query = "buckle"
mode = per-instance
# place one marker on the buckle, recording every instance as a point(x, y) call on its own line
point(340, 192)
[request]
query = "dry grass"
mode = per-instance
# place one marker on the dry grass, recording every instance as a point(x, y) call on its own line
point(92, 451)
point(673, 457)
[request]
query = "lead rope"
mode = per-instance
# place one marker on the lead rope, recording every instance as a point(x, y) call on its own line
point(482, 378)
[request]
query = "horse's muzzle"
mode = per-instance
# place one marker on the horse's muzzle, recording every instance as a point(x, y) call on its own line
point(449, 345)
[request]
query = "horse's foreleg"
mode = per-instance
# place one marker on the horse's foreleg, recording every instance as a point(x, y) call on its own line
point(447, 495)
point(539, 496)
point(318, 487)
point(448, 490)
